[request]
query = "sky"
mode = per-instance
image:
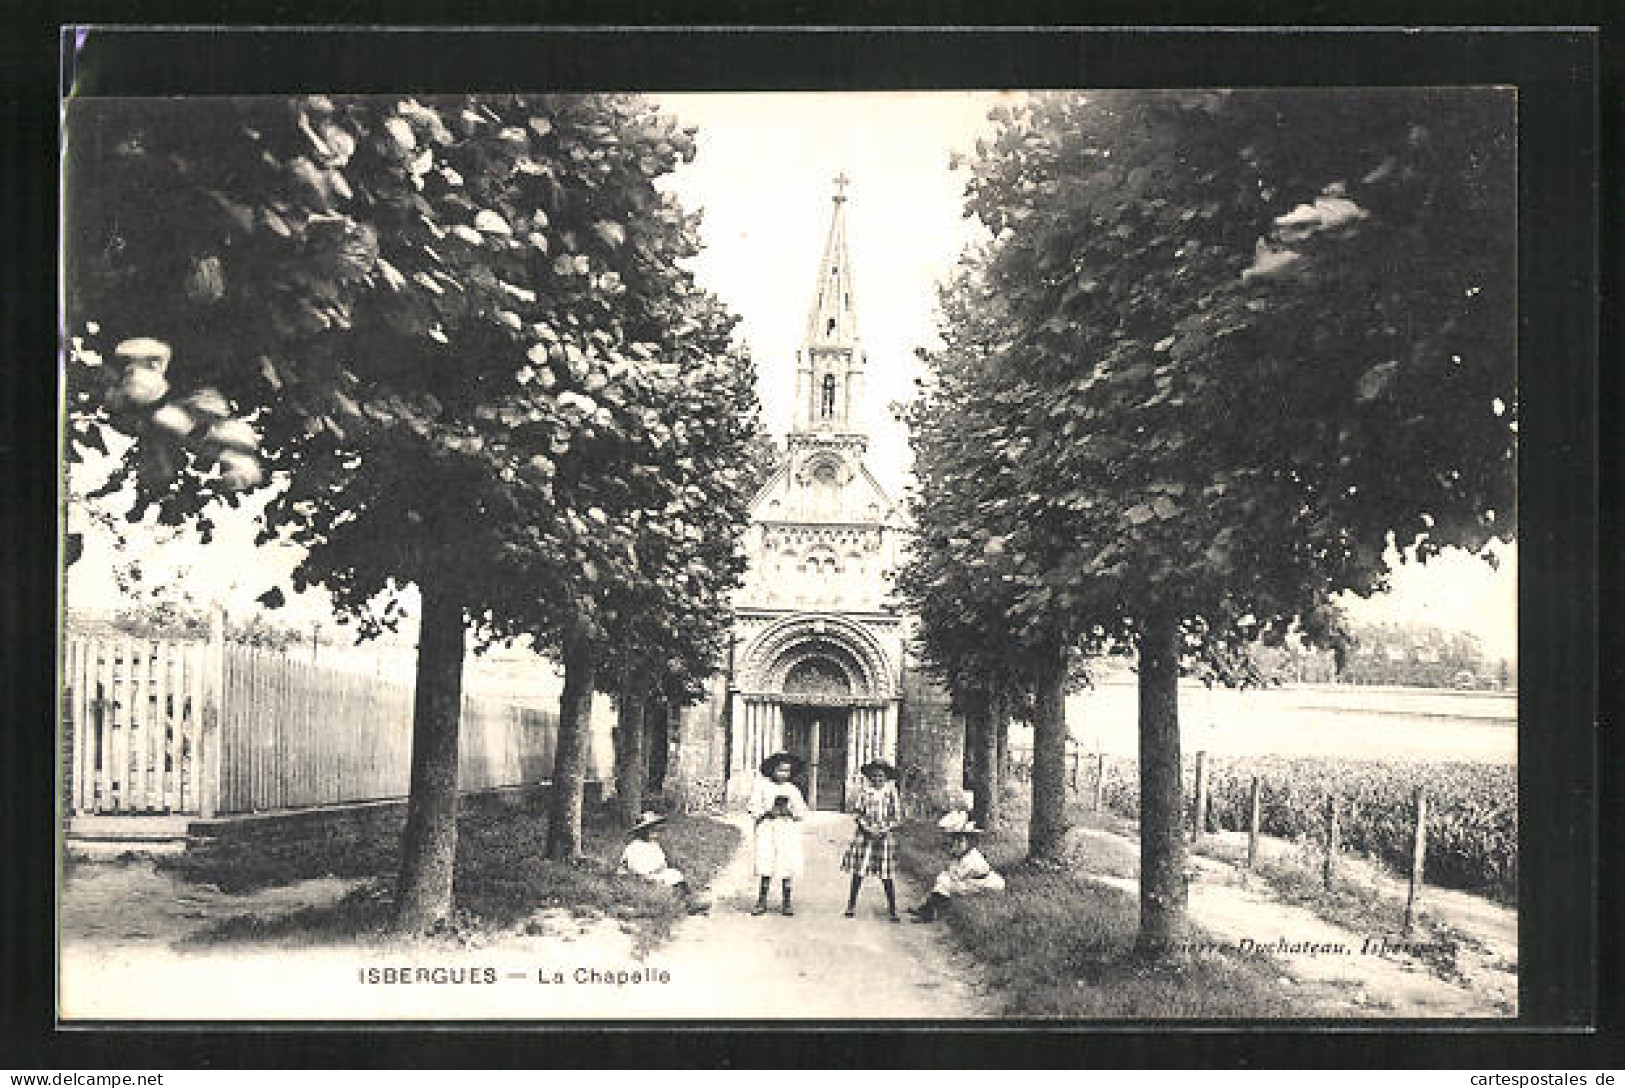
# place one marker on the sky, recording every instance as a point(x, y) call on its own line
point(763, 178)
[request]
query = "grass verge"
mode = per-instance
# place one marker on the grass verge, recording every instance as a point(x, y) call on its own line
point(1056, 944)
point(502, 880)
point(1294, 878)
point(1297, 879)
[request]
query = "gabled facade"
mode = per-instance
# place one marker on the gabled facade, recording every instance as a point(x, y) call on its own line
point(817, 659)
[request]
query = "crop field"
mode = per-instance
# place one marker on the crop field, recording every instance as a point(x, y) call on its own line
point(1311, 720)
point(1472, 842)
point(1371, 747)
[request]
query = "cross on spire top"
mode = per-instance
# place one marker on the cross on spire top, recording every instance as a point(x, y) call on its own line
point(841, 182)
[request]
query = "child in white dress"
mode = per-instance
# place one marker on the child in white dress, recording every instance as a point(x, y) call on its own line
point(645, 857)
point(778, 808)
point(968, 872)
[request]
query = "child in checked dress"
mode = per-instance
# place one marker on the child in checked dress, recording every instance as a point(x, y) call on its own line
point(872, 851)
point(778, 809)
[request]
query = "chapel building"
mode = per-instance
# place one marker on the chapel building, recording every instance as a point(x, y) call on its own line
point(817, 659)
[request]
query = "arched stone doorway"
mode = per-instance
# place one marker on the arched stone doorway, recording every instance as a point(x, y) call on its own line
point(820, 686)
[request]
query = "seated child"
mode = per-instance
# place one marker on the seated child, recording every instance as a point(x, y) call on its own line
point(644, 857)
point(968, 873)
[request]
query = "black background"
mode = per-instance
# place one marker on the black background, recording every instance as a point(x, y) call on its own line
point(1568, 878)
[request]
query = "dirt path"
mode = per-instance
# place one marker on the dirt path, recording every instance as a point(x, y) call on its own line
point(120, 925)
point(820, 964)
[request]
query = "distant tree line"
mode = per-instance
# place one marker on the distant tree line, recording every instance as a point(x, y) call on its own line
point(1398, 654)
point(183, 621)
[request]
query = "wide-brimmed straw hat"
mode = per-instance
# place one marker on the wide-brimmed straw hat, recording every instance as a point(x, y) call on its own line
point(958, 822)
point(879, 765)
point(645, 822)
point(795, 761)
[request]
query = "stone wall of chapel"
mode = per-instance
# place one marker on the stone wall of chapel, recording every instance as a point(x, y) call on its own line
point(827, 568)
point(930, 744)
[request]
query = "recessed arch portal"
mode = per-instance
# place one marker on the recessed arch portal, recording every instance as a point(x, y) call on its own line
point(795, 649)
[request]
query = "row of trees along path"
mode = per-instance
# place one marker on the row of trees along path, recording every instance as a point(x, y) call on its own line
point(1224, 350)
point(455, 337)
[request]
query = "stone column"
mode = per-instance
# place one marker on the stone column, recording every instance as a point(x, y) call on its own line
point(865, 748)
point(854, 390)
point(888, 732)
point(774, 729)
point(754, 709)
point(736, 758)
point(803, 381)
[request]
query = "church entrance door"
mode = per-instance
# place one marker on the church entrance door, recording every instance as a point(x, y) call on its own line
point(818, 735)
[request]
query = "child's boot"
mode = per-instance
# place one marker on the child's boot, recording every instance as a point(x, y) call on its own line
point(691, 902)
point(891, 899)
point(927, 911)
point(761, 897)
point(786, 910)
point(852, 897)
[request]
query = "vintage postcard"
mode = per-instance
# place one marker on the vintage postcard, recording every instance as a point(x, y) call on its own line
point(857, 556)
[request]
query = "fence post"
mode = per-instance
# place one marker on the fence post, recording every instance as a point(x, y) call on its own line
point(69, 751)
point(1252, 825)
point(1419, 848)
point(1074, 757)
point(1100, 780)
point(1199, 817)
point(214, 698)
point(1329, 868)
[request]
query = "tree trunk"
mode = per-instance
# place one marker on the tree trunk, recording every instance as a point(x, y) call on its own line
point(1046, 831)
point(656, 722)
point(570, 758)
point(1003, 723)
point(973, 703)
point(631, 768)
point(1162, 808)
point(998, 739)
point(429, 843)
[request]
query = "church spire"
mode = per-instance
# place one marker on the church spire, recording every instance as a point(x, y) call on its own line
point(830, 365)
point(832, 322)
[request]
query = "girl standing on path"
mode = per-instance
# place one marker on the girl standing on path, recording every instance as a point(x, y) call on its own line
point(872, 850)
point(778, 809)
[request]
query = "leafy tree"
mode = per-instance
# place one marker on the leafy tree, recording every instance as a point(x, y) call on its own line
point(952, 581)
point(1251, 340)
point(659, 613)
point(432, 323)
point(766, 454)
point(994, 624)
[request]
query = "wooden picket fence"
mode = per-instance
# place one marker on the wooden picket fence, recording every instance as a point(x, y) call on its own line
point(136, 711)
point(213, 729)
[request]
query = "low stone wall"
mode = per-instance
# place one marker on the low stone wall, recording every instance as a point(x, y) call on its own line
point(365, 817)
point(696, 776)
